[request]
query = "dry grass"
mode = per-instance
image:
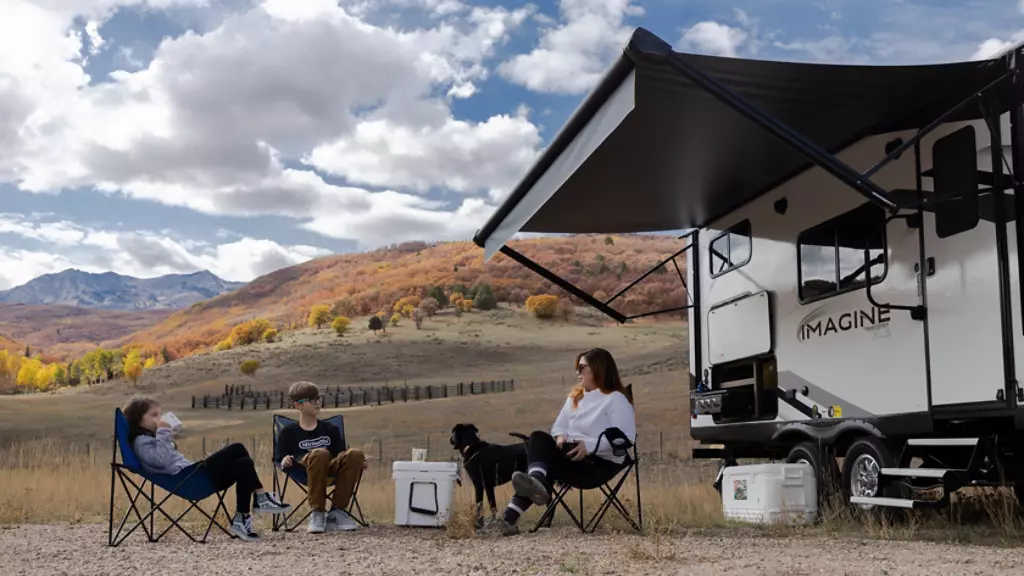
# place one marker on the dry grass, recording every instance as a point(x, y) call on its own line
point(48, 481)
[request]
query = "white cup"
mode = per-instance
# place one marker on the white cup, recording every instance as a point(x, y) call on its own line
point(419, 455)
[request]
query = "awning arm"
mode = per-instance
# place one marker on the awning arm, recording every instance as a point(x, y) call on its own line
point(935, 124)
point(562, 283)
point(605, 307)
point(651, 271)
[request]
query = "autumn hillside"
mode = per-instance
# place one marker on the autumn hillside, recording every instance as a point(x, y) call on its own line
point(362, 284)
point(69, 331)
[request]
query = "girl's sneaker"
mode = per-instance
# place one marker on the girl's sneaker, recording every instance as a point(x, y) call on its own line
point(241, 526)
point(268, 502)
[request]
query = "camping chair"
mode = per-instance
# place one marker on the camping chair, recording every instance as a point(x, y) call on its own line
point(622, 446)
point(611, 493)
point(193, 484)
point(297, 475)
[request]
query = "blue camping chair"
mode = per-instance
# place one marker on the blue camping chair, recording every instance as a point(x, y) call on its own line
point(297, 475)
point(192, 484)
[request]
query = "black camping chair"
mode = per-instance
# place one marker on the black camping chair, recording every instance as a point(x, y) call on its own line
point(297, 475)
point(622, 447)
point(193, 484)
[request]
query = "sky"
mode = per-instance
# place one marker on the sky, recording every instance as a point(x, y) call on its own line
point(149, 137)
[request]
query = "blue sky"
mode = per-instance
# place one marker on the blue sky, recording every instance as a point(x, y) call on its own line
point(156, 136)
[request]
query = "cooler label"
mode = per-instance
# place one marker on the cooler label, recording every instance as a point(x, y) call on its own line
point(739, 489)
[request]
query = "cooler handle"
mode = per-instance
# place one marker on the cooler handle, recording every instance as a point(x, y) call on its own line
point(418, 510)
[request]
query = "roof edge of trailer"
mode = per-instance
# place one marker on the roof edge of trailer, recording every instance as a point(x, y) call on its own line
point(644, 47)
point(611, 80)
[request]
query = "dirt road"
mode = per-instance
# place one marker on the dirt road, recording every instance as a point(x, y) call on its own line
point(81, 550)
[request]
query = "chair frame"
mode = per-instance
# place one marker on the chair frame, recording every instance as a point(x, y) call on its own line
point(611, 498)
point(282, 521)
point(119, 471)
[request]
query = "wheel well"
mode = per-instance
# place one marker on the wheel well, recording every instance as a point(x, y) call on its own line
point(846, 439)
point(840, 441)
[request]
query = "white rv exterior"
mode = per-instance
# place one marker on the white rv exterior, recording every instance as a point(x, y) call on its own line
point(868, 362)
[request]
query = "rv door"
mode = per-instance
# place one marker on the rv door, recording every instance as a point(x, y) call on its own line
point(964, 330)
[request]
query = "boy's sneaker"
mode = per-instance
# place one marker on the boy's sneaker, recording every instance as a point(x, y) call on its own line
point(338, 519)
point(317, 522)
point(269, 502)
point(241, 526)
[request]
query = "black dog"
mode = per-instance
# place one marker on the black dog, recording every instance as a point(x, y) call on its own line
point(488, 465)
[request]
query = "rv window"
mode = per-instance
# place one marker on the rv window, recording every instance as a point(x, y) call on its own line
point(956, 183)
point(730, 249)
point(834, 255)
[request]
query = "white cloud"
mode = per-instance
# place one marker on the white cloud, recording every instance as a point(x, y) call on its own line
point(458, 155)
point(572, 57)
point(212, 122)
point(713, 38)
point(995, 46)
point(138, 253)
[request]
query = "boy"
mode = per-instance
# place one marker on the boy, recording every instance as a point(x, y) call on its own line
point(317, 446)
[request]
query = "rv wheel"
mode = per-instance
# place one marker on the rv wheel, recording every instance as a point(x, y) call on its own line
point(826, 471)
point(861, 467)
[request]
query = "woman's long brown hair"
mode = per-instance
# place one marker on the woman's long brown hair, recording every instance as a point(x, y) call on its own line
point(606, 374)
point(134, 410)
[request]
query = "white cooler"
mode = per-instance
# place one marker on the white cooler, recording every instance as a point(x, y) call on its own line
point(424, 492)
point(770, 493)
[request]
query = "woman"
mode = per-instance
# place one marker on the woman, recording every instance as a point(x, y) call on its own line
point(150, 438)
point(596, 403)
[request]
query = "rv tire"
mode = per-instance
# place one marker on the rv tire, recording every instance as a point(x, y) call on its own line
point(826, 471)
point(861, 466)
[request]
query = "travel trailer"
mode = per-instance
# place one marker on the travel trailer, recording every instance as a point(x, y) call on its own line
point(851, 266)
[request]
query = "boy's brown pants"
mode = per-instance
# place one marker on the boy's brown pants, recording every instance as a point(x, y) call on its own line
point(345, 468)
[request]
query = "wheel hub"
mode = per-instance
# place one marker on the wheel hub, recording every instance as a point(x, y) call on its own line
point(864, 476)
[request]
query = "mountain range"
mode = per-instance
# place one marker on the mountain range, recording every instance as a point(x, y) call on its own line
point(111, 291)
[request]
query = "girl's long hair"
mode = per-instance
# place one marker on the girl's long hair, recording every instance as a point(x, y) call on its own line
point(134, 410)
point(606, 374)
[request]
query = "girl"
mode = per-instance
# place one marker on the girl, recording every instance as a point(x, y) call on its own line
point(150, 437)
point(570, 452)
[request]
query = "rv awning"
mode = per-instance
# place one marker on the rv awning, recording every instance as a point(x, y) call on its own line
point(650, 149)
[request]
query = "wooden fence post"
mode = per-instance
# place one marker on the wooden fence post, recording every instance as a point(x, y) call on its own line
point(193, 401)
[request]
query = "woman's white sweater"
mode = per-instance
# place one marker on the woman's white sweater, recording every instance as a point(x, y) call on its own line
point(596, 413)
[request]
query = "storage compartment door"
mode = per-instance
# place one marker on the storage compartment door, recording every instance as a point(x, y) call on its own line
point(740, 328)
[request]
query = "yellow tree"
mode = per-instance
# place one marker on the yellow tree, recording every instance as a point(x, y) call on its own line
point(340, 325)
point(133, 366)
point(320, 316)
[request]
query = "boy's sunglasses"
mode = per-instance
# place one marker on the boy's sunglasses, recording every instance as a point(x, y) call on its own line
point(317, 400)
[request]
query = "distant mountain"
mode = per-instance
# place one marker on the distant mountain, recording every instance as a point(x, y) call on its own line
point(110, 291)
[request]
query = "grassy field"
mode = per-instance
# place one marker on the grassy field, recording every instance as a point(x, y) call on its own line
point(55, 448)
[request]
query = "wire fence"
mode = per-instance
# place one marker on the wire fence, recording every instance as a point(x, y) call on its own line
point(246, 399)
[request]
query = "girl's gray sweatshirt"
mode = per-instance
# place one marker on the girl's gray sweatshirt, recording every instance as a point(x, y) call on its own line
point(158, 455)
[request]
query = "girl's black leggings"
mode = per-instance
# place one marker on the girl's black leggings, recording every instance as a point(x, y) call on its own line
point(230, 465)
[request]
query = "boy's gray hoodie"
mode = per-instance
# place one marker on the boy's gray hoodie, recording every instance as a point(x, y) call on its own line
point(158, 455)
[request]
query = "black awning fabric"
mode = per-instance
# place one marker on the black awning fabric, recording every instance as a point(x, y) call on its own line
point(682, 158)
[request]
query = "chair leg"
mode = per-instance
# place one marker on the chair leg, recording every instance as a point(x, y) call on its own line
point(355, 504)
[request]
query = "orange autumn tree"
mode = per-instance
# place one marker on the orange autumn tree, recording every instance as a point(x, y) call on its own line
point(542, 305)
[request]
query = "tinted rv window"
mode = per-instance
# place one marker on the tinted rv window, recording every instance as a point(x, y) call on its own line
point(730, 249)
point(834, 255)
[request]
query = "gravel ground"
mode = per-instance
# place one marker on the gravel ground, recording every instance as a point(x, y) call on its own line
point(81, 549)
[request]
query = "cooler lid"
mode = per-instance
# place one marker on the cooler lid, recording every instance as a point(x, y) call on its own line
point(447, 467)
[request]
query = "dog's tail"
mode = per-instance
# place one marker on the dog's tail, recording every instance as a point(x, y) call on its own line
point(522, 437)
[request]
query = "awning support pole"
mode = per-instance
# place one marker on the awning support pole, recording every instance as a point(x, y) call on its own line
point(807, 148)
point(933, 125)
point(648, 273)
point(562, 283)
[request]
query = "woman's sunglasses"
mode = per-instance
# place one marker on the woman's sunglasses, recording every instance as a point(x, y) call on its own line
point(581, 366)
